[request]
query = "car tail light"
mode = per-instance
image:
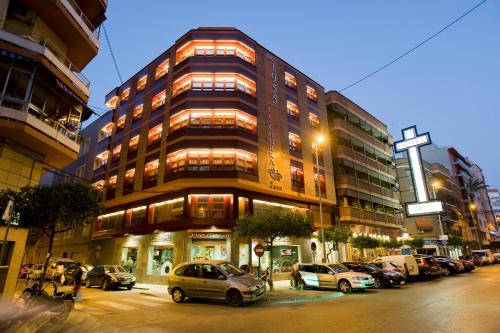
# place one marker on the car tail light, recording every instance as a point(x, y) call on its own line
point(424, 263)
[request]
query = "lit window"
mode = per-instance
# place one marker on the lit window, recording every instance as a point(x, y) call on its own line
point(214, 82)
point(115, 153)
point(294, 142)
point(99, 185)
point(101, 159)
point(129, 177)
point(124, 95)
point(213, 118)
point(313, 120)
point(137, 112)
point(112, 182)
point(154, 134)
point(120, 123)
point(297, 175)
point(105, 132)
point(211, 159)
point(151, 171)
point(158, 100)
point(133, 144)
point(292, 110)
point(311, 93)
point(214, 206)
point(141, 83)
point(290, 80)
point(218, 48)
point(111, 103)
point(170, 210)
point(161, 69)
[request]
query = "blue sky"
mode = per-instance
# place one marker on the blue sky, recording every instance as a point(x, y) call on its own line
point(450, 86)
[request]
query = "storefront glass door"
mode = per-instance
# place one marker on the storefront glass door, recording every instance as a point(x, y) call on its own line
point(129, 259)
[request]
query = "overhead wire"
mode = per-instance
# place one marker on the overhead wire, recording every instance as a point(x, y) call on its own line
point(112, 53)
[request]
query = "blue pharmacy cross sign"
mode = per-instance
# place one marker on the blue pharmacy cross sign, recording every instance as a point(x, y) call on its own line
point(411, 144)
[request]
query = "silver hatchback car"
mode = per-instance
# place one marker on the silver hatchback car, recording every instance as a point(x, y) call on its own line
point(214, 279)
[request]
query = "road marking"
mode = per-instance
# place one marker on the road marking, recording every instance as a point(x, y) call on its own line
point(91, 310)
point(142, 302)
point(157, 299)
point(116, 305)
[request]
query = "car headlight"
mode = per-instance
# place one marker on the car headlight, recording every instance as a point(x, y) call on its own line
point(452, 264)
point(133, 278)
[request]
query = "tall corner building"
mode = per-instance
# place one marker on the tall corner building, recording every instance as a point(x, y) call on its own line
point(44, 45)
point(365, 178)
point(494, 195)
point(215, 127)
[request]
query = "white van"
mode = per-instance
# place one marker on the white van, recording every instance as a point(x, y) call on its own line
point(406, 261)
point(486, 255)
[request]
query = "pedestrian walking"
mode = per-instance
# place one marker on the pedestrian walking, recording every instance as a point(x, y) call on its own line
point(78, 282)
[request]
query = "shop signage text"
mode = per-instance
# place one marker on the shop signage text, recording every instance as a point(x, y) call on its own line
point(208, 235)
point(273, 170)
point(164, 237)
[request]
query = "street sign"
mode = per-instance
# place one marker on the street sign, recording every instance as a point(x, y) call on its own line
point(258, 250)
point(313, 246)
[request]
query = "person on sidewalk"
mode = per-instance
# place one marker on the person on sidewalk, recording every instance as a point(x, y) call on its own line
point(78, 281)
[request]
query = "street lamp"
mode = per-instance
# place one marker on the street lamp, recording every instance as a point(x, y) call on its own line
point(317, 142)
point(472, 207)
point(436, 185)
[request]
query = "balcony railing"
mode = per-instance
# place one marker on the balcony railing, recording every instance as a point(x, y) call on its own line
point(80, 17)
point(360, 215)
point(351, 181)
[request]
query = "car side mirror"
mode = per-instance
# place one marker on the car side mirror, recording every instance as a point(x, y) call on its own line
point(221, 277)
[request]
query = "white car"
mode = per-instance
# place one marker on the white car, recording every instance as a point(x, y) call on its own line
point(406, 261)
point(335, 276)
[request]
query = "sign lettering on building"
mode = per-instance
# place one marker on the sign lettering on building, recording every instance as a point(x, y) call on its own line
point(208, 235)
point(162, 238)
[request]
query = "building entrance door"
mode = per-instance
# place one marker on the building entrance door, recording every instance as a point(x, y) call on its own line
point(129, 259)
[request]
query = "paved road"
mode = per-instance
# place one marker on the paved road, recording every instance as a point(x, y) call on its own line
point(463, 303)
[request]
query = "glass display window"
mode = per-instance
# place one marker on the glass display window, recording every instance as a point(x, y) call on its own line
point(129, 259)
point(160, 260)
point(209, 250)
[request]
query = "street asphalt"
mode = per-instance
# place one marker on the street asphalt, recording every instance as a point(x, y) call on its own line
point(467, 302)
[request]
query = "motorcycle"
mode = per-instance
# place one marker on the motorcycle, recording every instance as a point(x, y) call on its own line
point(37, 297)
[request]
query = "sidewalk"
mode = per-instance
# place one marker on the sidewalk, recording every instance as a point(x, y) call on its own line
point(280, 294)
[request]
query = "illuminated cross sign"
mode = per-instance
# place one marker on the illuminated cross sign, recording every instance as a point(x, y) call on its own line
point(411, 144)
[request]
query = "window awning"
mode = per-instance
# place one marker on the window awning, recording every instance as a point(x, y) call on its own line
point(425, 225)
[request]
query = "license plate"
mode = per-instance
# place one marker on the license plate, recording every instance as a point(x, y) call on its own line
point(402, 282)
point(125, 283)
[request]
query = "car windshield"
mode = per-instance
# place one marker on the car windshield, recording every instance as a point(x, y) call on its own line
point(370, 267)
point(230, 269)
point(339, 268)
point(114, 269)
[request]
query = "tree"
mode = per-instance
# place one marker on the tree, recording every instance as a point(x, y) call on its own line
point(273, 223)
point(455, 241)
point(334, 235)
point(471, 244)
point(416, 243)
point(55, 209)
point(364, 242)
point(391, 244)
point(495, 245)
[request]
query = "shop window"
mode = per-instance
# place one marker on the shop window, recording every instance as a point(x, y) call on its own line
point(105, 132)
point(311, 93)
point(101, 159)
point(161, 69)
point(211, 48)
point(313, 120)
point(141, 83)
point(158, 100)
point(292, 110)
point(160, 260)
point(294, 142)
point(120, 123)
point(154, 134)
point(124, 95)
point(214, 82)
point(115, 154)
point(151, 171)
point(297, 175)
point(209, 250)
point(215, 206)
point(170, 210)
point(137, 112)
point(129, 259)
point(290, 80)
point(211, 159)
point(133, 144)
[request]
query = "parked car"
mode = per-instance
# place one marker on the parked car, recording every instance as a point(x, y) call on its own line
point(24, 270)
point(109, 276)
point(406, 261)
point(390, 266)
point(468, 264)
point(448, 265)
point(497, 257)
point(486, 255)
point(334, 276)
point(214, 279)
point(70, 271)
point(382, 278)
point(427, 267)
point(35, 272)
point(477, 260)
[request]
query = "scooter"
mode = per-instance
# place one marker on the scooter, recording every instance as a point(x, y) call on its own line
point(35, 296)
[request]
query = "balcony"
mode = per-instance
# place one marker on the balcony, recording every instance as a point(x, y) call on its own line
point(346, 181)
point(41, 46)
point(361, 216)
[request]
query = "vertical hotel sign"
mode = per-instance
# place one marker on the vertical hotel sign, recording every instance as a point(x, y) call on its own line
point(273, 171)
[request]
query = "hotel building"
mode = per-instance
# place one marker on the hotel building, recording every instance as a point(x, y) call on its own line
point(215, 127)
point(365, 178)
point(494, 195)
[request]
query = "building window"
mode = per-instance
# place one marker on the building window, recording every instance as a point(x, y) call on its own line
point(311, 93)
point(294, 142)
point(322, 183)
point(216, 206)
point(120, 123)
point(112, 221)
point(290, 80)
point(137, 112)
point(213, 118)
point(170, 210)
point(101, 159)
point(133, 144)
point(313, 120)
point(124, 95)
point(214, 82)
point(112, 102)
point(99, 185)
point(135, 217)
point(211, 48)
point(105, 132)
point(129, 179)
point(211, 159)
point(297, 175)
point(292, 110)
point(151, 171)
point(154, 134)
point(161, 69)
point(111, 187)
point(141, 83)
point(80, 171)
point(158, 100)
point(115, 153)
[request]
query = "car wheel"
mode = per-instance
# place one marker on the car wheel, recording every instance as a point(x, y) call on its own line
point(178, 295)
point(378, 284)
point(129, 287)
point(446, 272)
point(87, 283)
point(234, 298)
point(345, 286)
point(105, 284)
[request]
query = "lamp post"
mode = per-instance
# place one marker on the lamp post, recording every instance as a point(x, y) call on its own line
point(434, 185)
point(471, 208)
point(319, 140)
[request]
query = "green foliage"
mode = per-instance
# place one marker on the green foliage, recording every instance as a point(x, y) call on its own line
point(336, 234)
point(391, 244)
point(415, 243)
point(455, 241)
point(364, 242)
point(471, 244)
point(495, 245)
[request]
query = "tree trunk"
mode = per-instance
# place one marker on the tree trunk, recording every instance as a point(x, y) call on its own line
point(49, 254)
point(272, 265)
